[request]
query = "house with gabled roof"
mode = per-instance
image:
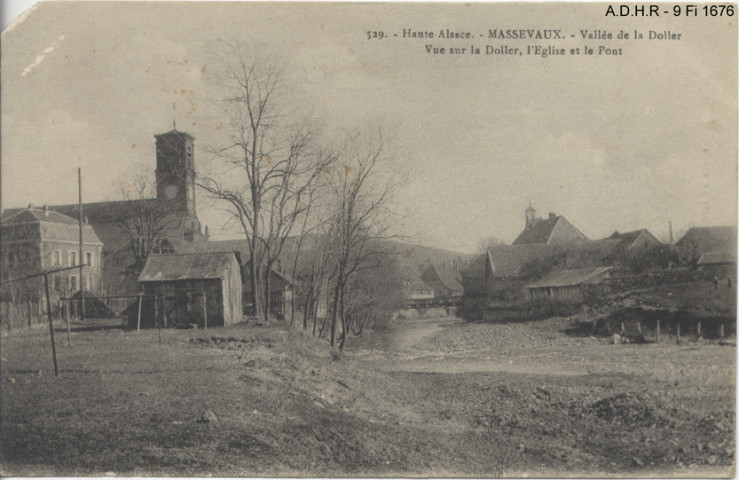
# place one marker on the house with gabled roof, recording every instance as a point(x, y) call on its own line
point(555, 230)
point(630, 241)
point(36, 239)
point(444, 279)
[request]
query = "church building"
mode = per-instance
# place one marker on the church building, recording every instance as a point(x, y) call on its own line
point(132, 229)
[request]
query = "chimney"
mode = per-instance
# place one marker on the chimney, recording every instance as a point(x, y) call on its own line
point(46, 210)
point(552, 216)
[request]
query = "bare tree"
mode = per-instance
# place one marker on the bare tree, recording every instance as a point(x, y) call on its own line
point(361, 191)
point(271, 165)
point(488, 242)
point(146, 219)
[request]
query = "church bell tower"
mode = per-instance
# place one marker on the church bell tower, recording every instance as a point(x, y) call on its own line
point(175, 171)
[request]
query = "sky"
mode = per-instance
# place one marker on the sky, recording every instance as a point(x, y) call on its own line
point(620, 142)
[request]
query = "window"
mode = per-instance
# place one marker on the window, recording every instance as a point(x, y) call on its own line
point(73, 283)
point(56, 257)
point(72, 259)
point(88, 259)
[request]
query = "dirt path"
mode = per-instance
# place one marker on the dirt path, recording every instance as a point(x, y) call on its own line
point(408, 336)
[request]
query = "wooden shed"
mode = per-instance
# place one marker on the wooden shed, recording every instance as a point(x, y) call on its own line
point(566, 286)
point(202, 289)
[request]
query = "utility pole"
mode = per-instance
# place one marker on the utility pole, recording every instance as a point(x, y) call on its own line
point(82, 286)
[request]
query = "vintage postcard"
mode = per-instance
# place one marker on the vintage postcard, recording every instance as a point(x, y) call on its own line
point(400, 239)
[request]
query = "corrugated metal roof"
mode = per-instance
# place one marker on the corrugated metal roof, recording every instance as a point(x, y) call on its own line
point(186, 266)
point(567, 278)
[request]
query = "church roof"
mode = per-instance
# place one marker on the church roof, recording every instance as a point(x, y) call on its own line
point(541, 231)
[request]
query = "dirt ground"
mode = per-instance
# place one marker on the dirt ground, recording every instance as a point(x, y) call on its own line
point(428, 397)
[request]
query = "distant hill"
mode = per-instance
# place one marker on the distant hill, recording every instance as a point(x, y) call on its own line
point(415, 258)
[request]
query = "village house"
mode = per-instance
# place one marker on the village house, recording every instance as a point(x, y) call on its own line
point(416, 289)
point(444, 279)
point(33, 240)
point(700, 240)
point(202, 289)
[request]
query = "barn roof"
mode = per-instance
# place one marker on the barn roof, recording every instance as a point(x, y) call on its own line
point(568, 278)
point(186, 266)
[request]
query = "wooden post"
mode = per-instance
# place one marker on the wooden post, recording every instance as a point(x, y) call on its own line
point(638, 326)
point(138, 322)
point(81, 263)
point(622, 328)
point(159, 322)
point(51, 324)
point(721, 331)
point(205, 310)
point(69, 328)
point(698, 329)
point(658, 330)
point(677, 340)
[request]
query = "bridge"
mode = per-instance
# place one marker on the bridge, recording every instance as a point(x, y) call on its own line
point(437, 302)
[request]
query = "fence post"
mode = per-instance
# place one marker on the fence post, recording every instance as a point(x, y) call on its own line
point(138, 320)
point(69, 328)
point(658, 330)
point(51, 325)
point(205, 310)
point(677, 340)
point(698, 329)
point(721, 331)
point(159, 322)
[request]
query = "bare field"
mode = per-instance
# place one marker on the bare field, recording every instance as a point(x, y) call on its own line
point(426, 398)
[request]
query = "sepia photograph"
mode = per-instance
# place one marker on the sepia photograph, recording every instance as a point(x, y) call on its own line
point(383, 239)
